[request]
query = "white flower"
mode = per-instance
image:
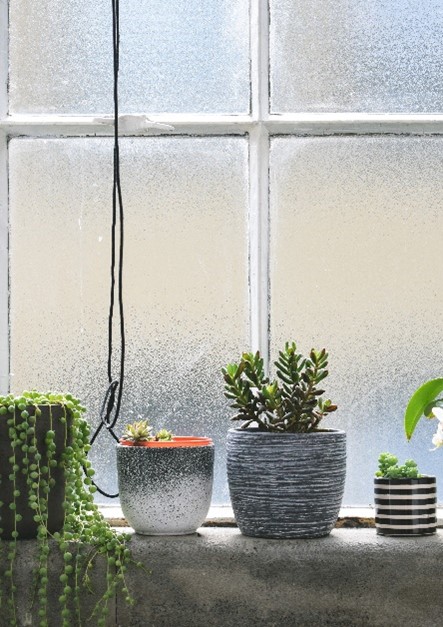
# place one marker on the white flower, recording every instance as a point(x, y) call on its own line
point(437, 438)
point(437, 412)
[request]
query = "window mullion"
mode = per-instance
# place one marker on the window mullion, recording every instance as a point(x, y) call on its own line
point(354, 124)
point(4, 39)
point(260, 60)
point(4, 260)
point(4, 268)
point(293, 124)
point(72, 126)
point(259, 240)
point(259, 180)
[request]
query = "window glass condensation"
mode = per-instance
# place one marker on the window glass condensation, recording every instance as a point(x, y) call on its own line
point(179, 56)
point(357, 268)
point(185, 278)
point(373, 56)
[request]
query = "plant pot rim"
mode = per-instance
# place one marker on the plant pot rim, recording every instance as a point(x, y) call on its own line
point(178, 441)
point(404, 479)
point(256, 430)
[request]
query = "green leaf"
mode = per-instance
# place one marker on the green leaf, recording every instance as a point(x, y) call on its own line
point(231, 369)
point(419, 402)
point(230, 395)
point(284, 377)
point(322, 376)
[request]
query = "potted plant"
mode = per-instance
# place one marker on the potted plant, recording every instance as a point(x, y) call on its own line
point(286, 475)
point(46, 491)
point(165, 481)
point(405, 501)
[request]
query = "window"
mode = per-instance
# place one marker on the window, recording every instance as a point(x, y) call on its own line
point(298, 197)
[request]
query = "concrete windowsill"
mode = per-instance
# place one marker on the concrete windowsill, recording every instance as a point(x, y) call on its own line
point(352, 578)
point(220, 578)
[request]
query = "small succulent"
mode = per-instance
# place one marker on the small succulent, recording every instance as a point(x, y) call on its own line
point(291, 403)
point(139, 431)
point(389, 468)
point(163, 435)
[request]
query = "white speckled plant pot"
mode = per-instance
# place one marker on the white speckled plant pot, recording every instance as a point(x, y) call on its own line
point(405, 507)
point(286, 485)
point(165, 491)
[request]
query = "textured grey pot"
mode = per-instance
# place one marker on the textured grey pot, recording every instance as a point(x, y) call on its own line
point(165, 491)
point(286, 485)
point(405, 507)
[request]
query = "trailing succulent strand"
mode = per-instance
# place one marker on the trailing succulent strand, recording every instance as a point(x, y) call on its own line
point(291, 403)
point(64, 451)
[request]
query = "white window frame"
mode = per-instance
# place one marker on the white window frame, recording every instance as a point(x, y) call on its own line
point(260, 126)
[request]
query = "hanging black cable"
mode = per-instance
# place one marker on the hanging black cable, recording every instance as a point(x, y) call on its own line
point(110, 409)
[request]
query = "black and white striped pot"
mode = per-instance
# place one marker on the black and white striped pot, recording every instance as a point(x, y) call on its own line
point(286, 485)
point(405, 507)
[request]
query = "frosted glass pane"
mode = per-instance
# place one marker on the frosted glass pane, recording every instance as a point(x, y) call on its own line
point(185, 284)
point(357, 267)
point(356, 55)
point(176, 56)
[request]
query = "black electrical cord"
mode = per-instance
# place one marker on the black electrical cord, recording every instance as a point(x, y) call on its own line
point(110, 409)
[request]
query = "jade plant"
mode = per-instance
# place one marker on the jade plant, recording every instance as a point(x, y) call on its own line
point(388, 468)
point(140, 432)
point(83, 534)
point(290, 403)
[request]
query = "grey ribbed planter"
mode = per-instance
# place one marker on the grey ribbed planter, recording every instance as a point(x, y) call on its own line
point(286, 485)
point(165, 491)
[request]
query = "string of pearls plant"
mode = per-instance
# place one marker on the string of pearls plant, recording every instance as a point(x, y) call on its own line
point(48, 441)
